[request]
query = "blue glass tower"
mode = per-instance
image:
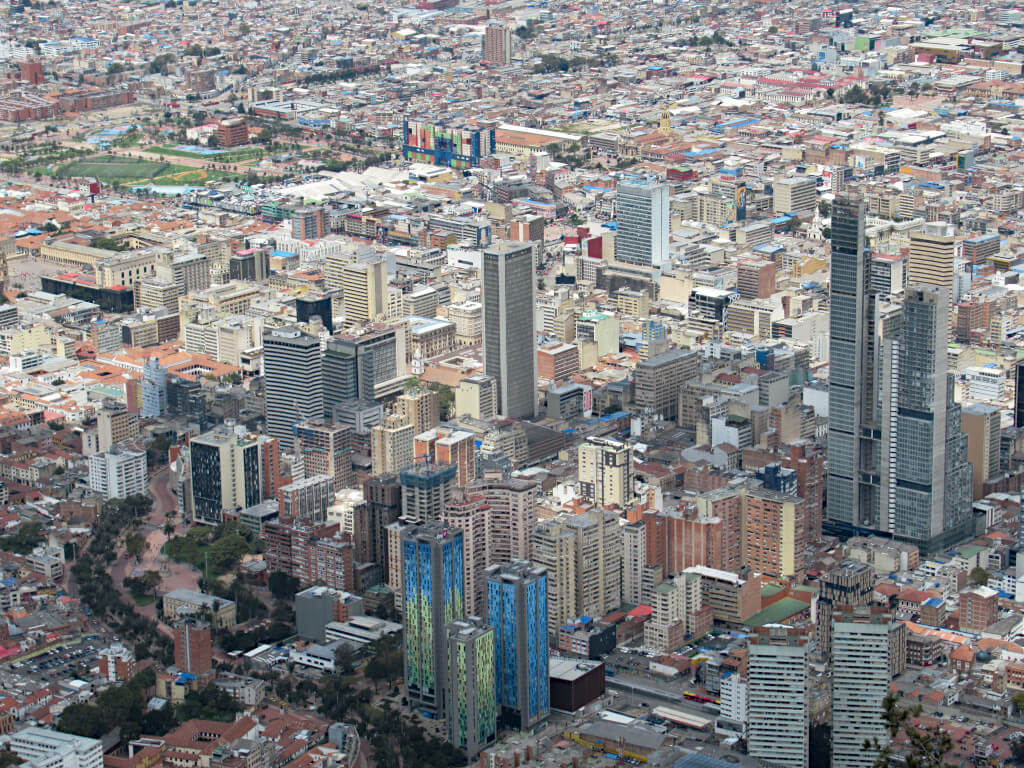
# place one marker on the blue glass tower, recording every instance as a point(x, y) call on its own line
point(517, 608)
point(432, 579)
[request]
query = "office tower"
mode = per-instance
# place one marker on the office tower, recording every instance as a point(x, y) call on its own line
point(307, 500)
point(498, 45)
point(471, 711)
point(426, 491)
point(233, 132)
point(775, 533)
point(854, 454)
point(807, 460)
point(193, 647)
point(583, 556)
point(421, 408)
point(777, 727)
point(795, 196)
point(308, 307)
point(848, 584)
point(364, 289)
point(509, 340)
point(364, 365)
point(981, 424)
point(293, 380)
point(433, 597)
point(318, 606)
point(477, 397)
point(230, 472)
point(755, 279)
point(657, 381)
point(932, 257)
point(391, 446)
point(860, 681)
point(118, 473)
point(605, 472)
point(382, 505)
point(517, 609)
point(933, 477)
point(325, 449)
point(634, 558)
point(642, 216)
point(979, 609)
point(154, 390)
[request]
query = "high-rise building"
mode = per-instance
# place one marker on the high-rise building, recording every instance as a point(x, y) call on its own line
point(583, 556)
point(517, 609)
point(605, 472)
point(755, 278)
point(854, 453)
point(658, 379)
point(307, 307)
point(498, 45)
point(293, 380)
point(233, 132)
point(509, 340)
point(471, 711)
point(154, 390)
point(777, 726)
point(309, 223)
point(477, 397)
point(433, 598)
point(511, 515)
point(446, 146)
point(860, 681)
point(391, 446)
point(467, 512)
point(775, 534)
point(382, 505)
point(426, 490)
point(118, 473)
point(642, 216)
point(794, 195)
point(364, 365)
point(981, 424)
point(364, 288)
point(115, 424)
point(306, 500)
point(634, 558)
point(448, 446)
point(193, 648)
point(979, 608)
point(325, 449)
point(932, 257)
point(229, 472)
point(933, 476)
point(421, 408)
point(850, 583)
point(1018, 394)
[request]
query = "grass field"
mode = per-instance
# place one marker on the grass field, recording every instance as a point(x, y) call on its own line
point(227, 156)
point(123, 170)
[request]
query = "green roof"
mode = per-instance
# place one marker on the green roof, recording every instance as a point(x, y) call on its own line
point(777, 612)
point(771, 589)
point(971, 551)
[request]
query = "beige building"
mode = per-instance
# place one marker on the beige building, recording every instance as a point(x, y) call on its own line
point(605, 472)
point(931, 260)
point(981, 425)
point(391, 445)
point(364, 288)
point(421, 408)
point(186, 602)
point(477, 397)
point(114, 425)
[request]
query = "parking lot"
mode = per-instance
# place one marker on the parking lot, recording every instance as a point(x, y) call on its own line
point(56, 665)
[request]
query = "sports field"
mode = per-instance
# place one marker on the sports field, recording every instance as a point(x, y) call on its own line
point(123, 170)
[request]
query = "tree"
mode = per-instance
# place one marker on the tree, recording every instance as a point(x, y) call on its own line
point(978, 576)
point(344, 660)
point(213, 141)
point(135, 544)
point(926, 746)
point(9, 758)
point(115, 68)
point(283, 585)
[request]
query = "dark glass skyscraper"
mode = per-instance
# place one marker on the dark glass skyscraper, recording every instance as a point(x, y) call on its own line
point(510, 343)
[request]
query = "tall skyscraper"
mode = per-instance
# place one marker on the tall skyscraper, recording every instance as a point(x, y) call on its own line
point(498, 45)
point(854, 453)
point(642, 220)
point(932, 257)
point(293, 380)
point(848, 584)
point(471, 710)
point(1018, 394)
point(860, 681)
point(510, 342)
point(229, 472)
point(193, 652)
point(777, 700)
point(426, 491)
point(517, 609)
point(357, 364)
point(433, 598)
point(933, 476)
point(364, 287)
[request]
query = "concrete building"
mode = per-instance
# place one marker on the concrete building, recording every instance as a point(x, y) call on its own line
point(364, 287)
point(657, 381)
point(851, 583)
point(421, 408)
point(794, 195)
point(508, 292)
point(47, 748)
point(932, 259)
point(115, 424)
point(497, 45)
point(116, 663)
point(307, 500)
point(426, 490)
point(642, 217)
point(193, 648)
point(182, 603)
point(231, 471)
point(118, 473)
point(777, 728)
point(605, 472)
point(293, 380)
point(860, 682)
point(477, 397)
point(318, 606)
point(775, 534)
point(981, 424)
point(391, 445)
point(979, 608)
